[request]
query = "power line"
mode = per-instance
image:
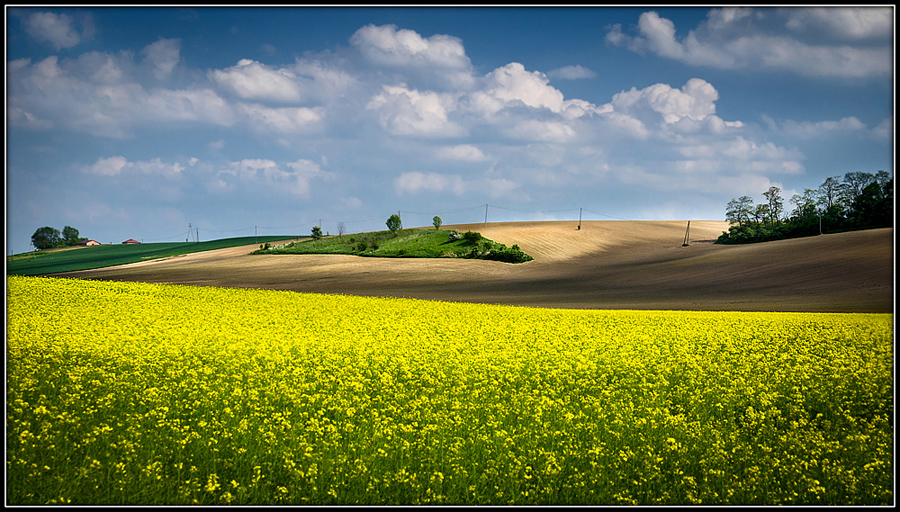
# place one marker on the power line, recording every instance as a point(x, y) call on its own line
point(194, 231)
point(532, 211)
point(444, 212)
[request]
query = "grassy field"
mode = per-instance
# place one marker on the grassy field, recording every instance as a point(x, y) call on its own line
point(143, 394)
point(100, 256)
point(407, 243)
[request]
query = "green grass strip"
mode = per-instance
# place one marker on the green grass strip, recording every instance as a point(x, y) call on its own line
point(408, 243)
point(100, 256)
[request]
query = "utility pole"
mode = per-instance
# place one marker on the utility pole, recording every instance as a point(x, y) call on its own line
point(255, 234)
point(687, 235)
point(485, 214)
point(579, 218)
point(198, 235)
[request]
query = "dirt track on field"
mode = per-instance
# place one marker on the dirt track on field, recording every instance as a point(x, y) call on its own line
point(605, 265)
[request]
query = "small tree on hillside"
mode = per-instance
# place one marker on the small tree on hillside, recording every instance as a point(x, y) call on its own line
point(394, 224)
point(316, 232)
point(437, 222)
point(341, 228)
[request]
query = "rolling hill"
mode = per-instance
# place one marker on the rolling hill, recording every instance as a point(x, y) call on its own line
point(604, 265)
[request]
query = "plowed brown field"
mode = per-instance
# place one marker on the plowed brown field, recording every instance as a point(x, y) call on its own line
point(605, 265)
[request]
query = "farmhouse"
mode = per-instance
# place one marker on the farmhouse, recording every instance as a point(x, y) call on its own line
point(87, 242)
point(131, 241)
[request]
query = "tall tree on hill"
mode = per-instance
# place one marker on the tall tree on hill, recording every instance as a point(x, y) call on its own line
point(870, 208)
point(70, 235)
point(853, 185)
point(828, 191)
point(46, 238)
point(805, 205)
point(761, 213)
point(776, 204)
point(739, 211)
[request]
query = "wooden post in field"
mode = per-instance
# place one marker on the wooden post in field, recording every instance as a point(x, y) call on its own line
point(687, 235)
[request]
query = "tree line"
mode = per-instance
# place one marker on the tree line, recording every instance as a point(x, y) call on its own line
point(858, 200)
point(50, 238)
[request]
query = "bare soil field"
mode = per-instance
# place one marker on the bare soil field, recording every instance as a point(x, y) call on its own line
point(604, 265)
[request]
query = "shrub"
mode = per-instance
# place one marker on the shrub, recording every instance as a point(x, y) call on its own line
point(472, 237)
point(506, 254)
point(454, 235)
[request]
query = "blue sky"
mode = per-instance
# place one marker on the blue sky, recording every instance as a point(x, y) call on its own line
point(138, 122)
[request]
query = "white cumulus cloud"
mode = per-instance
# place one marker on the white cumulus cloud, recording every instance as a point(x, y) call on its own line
point(252, 80)
point(389, 46)
point(57, 29)
point(464, 152)
point(695, 100)
point(404, 111)
point(767, 39)
point(162, 56)
point(415, 182)
point(291, 177)
point(282, 120)
point(116, 165)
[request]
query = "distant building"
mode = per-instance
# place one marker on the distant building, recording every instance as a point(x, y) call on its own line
point(87, 242)
point(131, 241)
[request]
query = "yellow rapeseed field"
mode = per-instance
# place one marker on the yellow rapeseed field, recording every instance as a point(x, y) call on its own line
point(125, 393)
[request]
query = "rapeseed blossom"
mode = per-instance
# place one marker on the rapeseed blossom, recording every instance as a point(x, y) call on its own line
point(127, 393)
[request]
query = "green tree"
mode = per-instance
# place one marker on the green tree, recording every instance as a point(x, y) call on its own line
point(828, 191)
point(761, 213)
point(776, 204)
point(739, 211)
point(394, 224)
point(46, 238)
point(852, 187)
point(316, 232)
point(437, 222)
point(805, 205)
point(70, 235)
point(869, 207)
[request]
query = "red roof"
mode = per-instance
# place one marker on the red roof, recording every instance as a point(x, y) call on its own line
point(131, 241)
